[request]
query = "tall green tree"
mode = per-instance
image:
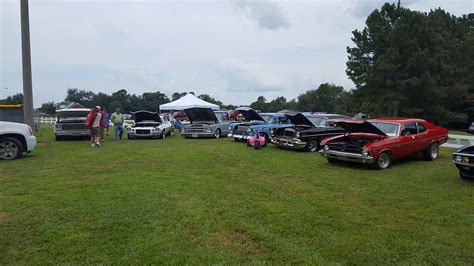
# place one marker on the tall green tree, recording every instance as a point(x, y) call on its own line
point(49, 108)
point(327, 98)
point(409, 63)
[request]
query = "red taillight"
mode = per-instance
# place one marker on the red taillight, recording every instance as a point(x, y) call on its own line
point(31, 131)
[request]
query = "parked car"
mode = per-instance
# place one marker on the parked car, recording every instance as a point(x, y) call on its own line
point(205, 123)
point(308, 131)
point(470, 130)
point(71, 122)
point(463, 159)
point(148, 125)
point(15, 139)
point(257, 122)
point(379, 141)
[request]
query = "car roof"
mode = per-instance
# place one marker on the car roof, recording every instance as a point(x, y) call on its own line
point(74, 110)
point(396, 120)
point(273, 114)
point(328, 115)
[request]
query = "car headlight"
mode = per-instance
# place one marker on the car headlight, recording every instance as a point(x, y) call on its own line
point(249, 129)
point(297, 135)
point(230, 128)
point(365, 153)
point(457, 158)
point(326, 147)
point(58, 126)
point(31, 131)
point(183, 129)
point(208, 130)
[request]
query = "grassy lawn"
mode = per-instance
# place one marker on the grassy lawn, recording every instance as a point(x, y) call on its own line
point(216, 201)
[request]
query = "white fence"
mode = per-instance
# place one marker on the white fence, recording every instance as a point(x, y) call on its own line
point(458, 141)
point(45, 120)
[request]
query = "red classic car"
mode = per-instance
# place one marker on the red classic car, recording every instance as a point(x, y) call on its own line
point(379, 141)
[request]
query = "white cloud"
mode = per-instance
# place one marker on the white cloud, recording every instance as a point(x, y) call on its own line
point(268, 15)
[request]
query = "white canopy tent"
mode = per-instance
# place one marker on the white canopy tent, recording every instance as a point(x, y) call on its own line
point(188, 101)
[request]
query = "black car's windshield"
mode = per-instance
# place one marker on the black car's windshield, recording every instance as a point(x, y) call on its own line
point(390, 129)
point(317, 121)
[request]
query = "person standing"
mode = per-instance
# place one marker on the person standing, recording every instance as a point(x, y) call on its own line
point(95, 120)
point(117, 118)
point(105, 130)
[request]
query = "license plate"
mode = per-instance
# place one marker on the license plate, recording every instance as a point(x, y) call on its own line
point(466, 168)
point(194, 135)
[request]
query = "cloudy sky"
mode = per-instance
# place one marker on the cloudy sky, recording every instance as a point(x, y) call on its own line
point(234, 50)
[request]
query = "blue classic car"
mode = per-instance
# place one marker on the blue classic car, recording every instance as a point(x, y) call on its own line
point(257, 122)
point(205, 123)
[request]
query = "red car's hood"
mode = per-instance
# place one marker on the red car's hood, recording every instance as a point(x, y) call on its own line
point(359, 126)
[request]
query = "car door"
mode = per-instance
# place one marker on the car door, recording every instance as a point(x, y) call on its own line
point(423, 139)
point(408, 139)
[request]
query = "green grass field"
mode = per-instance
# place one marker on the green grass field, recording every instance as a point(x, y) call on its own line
point(216, 201)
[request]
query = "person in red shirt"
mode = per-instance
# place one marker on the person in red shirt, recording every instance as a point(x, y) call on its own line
point(95, 121)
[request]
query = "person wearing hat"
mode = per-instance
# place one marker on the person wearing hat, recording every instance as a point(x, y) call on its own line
point(117, 118)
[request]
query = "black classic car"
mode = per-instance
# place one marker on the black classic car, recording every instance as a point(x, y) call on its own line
point(308, 131)
point(463, 158)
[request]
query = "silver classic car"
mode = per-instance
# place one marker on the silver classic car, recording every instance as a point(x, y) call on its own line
point(206, 123)
point(148, 125)
point(71, 122)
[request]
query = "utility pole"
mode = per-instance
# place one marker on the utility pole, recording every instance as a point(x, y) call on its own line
point(26, 64)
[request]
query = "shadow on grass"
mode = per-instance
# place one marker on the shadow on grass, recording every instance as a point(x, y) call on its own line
point(396, 163)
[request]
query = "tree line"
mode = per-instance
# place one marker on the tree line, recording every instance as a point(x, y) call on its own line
point(403, 63)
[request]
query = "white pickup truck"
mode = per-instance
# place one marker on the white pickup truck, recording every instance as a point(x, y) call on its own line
point(15, 138)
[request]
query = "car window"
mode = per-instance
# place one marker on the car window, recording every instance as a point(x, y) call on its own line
point(272, 120)
point(283, 120)
point(316, 120)
point(267, 118)
point(421, 128)
point(390, 129)
point(410, 129)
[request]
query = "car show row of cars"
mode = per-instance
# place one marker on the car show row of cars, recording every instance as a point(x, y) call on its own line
point(337, 137)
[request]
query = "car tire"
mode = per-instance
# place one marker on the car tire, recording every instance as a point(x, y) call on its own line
point(10, 148)
point(384, 161)
point(58, 138)
point(312, 145)
point(248, 144)
point(432, 153)
point(236, 139)
point(331, 160)
point(217, 134)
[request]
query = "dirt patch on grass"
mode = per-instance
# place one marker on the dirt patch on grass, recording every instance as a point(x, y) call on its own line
point(3, 216)
point(240, 239)
point(41, 143)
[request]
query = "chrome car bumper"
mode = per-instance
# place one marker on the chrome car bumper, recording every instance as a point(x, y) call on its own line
point(197, 135)
point(238, 136)
point(348, 157)
point(293, 143)
point(144, 136)
point(72, 133)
